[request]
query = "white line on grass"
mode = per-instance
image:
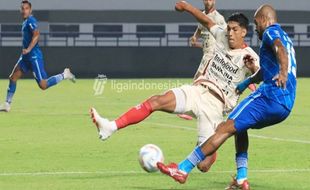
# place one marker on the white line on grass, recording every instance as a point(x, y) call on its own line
point(250, 135)
point(139, 172)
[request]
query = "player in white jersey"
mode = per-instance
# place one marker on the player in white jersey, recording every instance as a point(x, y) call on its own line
point(208, 41)
point(210, 96)
point(207, 38)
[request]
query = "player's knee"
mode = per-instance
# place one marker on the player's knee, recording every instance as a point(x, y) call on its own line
point(226, 127)
point(156, 102)
point(13, 78)
point(43, 85)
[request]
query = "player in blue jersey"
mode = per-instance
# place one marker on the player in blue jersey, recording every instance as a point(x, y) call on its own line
point(31, 59)
point(269, 32)
point(269, 105)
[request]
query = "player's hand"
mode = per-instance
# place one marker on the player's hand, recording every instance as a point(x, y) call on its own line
point(249, 62)
point(181, 6)
point(25, 51)
point(193, 42)
point(280, 80)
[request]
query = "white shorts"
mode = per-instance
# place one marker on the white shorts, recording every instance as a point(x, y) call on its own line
point(197, 100)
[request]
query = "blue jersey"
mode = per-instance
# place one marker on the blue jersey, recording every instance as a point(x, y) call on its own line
point(29, 26)
point(270, 67)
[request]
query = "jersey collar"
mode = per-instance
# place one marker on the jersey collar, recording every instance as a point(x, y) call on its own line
point(274, 24)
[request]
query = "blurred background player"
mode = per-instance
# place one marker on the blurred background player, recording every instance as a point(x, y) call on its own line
point(212, 94)
point(31, 59)
point(269, 105)
point(203, 33)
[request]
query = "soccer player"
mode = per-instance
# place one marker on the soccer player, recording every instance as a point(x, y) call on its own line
point(208, 39)
point(210, 96)
point(269, 105)
point(31, 59)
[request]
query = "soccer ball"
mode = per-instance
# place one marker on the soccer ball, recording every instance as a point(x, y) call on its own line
point(149, 155)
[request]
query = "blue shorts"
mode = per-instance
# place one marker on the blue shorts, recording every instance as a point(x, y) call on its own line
point(256, 112)
point(34, 64)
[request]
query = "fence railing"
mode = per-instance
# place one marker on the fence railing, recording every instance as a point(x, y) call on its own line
point(116, 39)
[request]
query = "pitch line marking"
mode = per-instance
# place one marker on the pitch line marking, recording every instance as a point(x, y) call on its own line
point(139, 172)
point(250, 135)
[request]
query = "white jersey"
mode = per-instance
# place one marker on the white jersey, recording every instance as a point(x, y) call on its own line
point(208, 39)
point(226, 69)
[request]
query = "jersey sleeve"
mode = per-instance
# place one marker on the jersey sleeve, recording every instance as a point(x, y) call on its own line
point(217, 32)
point(200, 27)
point(32, 24)
point(222, 22)
point(270, 35)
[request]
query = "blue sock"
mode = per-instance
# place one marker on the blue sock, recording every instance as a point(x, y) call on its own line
point(11, 91)
point(54, 80)
point(242, 165)
point(192, 160)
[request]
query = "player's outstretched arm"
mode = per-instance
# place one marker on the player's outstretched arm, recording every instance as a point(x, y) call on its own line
point(256, 78)
point(34, 41)
point(182, 6)
point(282, 57)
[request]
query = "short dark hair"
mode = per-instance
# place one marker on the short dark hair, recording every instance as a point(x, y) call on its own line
point(240, 18)
point(27, 2)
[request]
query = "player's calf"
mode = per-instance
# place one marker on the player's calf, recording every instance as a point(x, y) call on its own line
point(135, 114)
point(138, 113)
point(205, 165)
point(54, 80)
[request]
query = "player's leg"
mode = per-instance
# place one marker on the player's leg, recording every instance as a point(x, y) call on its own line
point(179, 172)
point(41, 77)
point(166, 103)
point(210, 115)
point(242, 145)
point(223, 132)
point(54, 80)
point(16, 74)
point(240, 181)
point(256, 111)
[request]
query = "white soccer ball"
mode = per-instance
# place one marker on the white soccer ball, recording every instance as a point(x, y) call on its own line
point(149, 155)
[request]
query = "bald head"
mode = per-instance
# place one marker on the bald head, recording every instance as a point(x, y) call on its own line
point(267, 12)
point(264, 17)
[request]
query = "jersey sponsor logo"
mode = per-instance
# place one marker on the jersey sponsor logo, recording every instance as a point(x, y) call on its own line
point(224, 70)
point(224, 67)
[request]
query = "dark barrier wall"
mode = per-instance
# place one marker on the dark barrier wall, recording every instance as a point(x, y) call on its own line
point(126, 62)
point(146, 16)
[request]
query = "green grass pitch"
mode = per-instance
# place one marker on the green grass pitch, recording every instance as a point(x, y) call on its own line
point(48, 142)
